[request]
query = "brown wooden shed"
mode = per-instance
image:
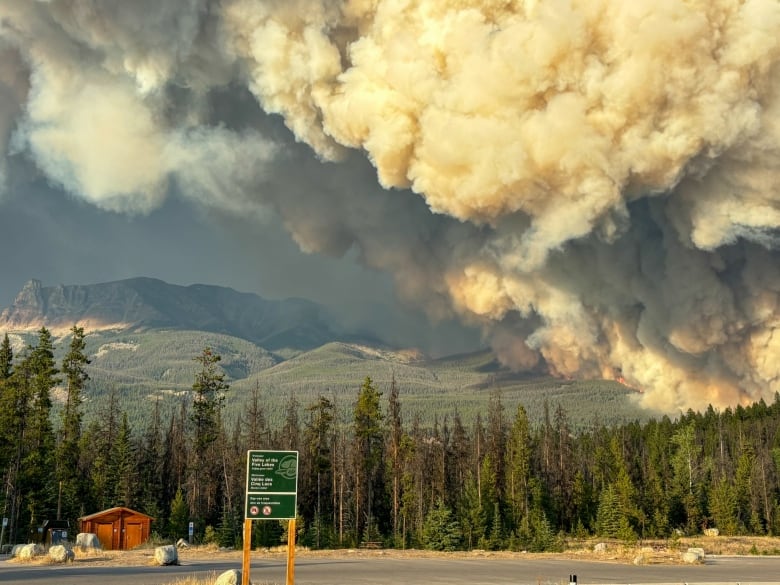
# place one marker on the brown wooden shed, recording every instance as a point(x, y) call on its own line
point(118, 528)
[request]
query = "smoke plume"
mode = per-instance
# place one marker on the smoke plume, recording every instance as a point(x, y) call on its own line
point(595, 183)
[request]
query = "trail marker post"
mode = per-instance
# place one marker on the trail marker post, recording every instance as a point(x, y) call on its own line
point(271, 494)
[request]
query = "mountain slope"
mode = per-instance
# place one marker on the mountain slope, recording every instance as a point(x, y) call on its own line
point(150, 365)
point(148, 303)
point(143, 336)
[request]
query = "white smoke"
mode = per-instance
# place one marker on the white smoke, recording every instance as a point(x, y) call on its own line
point(597, 179)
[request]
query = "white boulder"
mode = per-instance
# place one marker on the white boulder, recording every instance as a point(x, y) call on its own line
point(231, 577)
point(87, 540)
point(61, 554)
point(693, 555)
point(29, 551)
point(166, 555)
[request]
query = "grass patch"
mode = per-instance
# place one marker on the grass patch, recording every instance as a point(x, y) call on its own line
point(209, 579)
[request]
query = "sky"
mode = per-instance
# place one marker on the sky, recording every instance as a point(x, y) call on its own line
point(589, 187)
point(55, 237)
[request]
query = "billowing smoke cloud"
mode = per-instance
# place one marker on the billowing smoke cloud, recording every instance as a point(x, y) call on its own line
point(597, 182)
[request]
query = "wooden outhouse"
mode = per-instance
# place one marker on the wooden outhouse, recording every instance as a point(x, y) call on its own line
point(118, 528)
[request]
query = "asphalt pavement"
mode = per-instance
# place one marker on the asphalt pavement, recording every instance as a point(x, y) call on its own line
point(346, 570)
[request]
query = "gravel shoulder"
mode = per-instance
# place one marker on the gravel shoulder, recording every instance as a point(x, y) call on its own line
point(662, 552)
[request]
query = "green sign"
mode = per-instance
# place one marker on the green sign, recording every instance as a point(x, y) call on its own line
point(271, 485)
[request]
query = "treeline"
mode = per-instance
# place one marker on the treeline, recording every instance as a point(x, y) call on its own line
point(496, 482)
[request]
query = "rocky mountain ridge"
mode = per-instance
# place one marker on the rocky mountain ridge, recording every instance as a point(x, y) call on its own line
point(147, 303)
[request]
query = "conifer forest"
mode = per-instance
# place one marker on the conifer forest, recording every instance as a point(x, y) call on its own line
point(375, 475)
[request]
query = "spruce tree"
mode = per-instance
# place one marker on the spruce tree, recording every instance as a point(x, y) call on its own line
point(70, 472)
point(209, 397)
point(6, 359)
point(123, 460)
point(472, 514)
point(150, 468)
point(608, 517)
point(394, 459)
point(178, 524)
point(14, 407)
point(6, 408)
point(518, 466)
point(441, 530)
point(291, 429)
point(316, 491)
point(38, 475)
point(367, 453)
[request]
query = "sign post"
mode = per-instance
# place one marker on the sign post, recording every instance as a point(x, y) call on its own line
point(271, 494)
point(2, 531)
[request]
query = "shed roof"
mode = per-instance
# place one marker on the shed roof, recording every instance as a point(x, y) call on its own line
point(117, 510)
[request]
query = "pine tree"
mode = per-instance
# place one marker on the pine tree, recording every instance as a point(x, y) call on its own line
point(472, 514)
point(258, 433)
point(458, 465)
point(441, 530)
point(38, 465)
point(686, 462)
point(123, 463)
point(6, 359)
point(562, 474)
point(394, 460)
point(724, 507)
point(209, 398)
point(316, 489)
point(409, 493)
point(178, 525)
point(150, 469)
point(518, 466)
point(743, 483)
point(15, 398)
point(291, 430)
point(226, 536)
point(368, 442)
point(435, 448)
point(70, 470)
point(98, 448)
point(175, 453)
point(609, 515)
point(7, 408)
point(495, 540)
point(496, 441)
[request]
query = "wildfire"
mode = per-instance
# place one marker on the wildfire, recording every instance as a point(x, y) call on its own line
point(621, 380)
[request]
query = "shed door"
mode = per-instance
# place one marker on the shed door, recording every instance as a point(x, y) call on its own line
point(105, 534)
point(133, 535)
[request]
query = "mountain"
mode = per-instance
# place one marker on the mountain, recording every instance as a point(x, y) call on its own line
point(142, 336)
point(138, 304)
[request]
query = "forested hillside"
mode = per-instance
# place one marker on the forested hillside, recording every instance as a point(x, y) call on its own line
point(142, 368)
point(372, 471)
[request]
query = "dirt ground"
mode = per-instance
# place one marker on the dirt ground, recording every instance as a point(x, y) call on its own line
point(642, 552)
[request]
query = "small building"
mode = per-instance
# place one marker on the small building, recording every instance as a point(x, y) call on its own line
point(118, 528)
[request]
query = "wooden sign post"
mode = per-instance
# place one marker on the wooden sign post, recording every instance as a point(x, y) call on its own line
point(245, 558)
point(291, 552)
point(271, 494)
